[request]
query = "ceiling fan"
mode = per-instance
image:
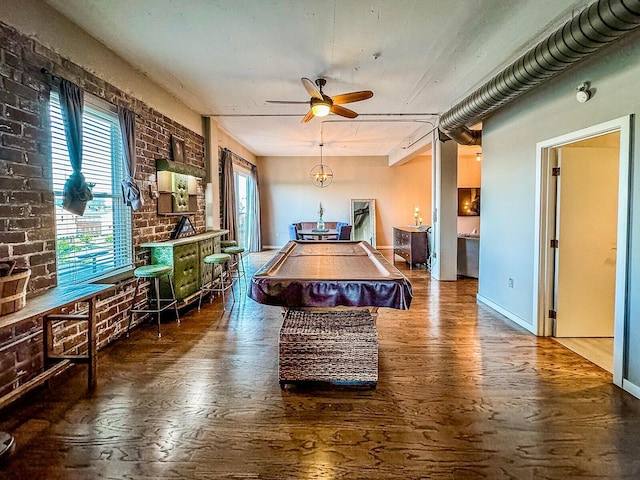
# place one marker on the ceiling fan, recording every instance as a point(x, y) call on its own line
point(322, 104)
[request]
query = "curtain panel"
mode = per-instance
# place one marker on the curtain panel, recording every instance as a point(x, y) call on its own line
point(76, 192)
point(228, 195)
point(131, 194)
point(255, 239)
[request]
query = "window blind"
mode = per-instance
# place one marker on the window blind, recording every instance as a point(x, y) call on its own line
point(100, 242)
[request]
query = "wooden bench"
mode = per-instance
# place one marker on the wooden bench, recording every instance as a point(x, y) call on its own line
point(45, 306)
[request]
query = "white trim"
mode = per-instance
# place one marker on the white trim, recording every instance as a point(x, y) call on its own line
point(501, 310)
point(624, 194)
point(632, 388)
point(540, 300)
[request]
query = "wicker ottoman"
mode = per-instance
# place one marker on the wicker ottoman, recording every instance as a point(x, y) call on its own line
point(338, 346)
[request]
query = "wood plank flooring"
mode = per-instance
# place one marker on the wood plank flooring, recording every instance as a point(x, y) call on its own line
point(462, 394)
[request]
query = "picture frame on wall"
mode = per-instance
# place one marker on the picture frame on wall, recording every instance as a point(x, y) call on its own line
point(469, 202)
point(177, 149)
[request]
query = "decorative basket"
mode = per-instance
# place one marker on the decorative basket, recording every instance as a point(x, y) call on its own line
point(13, 290)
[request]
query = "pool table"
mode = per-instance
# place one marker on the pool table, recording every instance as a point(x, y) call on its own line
point(330, 274)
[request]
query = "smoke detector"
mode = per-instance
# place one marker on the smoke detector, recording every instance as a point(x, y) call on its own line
point(582, 92)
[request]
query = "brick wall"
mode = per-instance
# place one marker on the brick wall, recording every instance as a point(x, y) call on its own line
point(27, 219)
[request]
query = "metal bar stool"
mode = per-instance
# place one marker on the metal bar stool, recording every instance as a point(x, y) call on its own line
point(228, 243)
point(224, 282)
point(237, 264)
point(154, 272)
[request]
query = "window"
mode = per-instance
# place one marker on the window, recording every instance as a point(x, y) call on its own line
point(242, 221)
point(99, 242)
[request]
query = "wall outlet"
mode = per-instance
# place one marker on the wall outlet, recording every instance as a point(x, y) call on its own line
point(277, 234)
point(511, 283)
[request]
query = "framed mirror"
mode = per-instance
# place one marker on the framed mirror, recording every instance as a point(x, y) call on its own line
point(363, 219)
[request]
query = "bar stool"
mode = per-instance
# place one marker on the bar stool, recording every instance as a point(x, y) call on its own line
point(237, 263)
point(225, 281)
point(154, 272)
point(228, 243)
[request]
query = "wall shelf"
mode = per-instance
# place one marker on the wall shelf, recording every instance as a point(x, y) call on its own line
point(177, 187)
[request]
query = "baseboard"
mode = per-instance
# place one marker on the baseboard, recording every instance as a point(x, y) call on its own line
point(510, 315)
point(633, 389)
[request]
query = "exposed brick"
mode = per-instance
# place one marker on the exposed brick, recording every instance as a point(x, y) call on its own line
point(6, 334)
point(47, 53)
point(14, 141)
point(13, 237)
point(7, 378)
point(39, 270)
point(33, 106)
point(41, 234)
point(7, 98)
point(7, 359)
point(20, 90)
point(41, 258)
point(26, 170)
point(26, 197)
point(11, 155)
point(28, 248)
point(36, 159)
point(9, 126)
point(36, 133)
point(35, 80)
point(39, 184)
point(25, 224)
point(27, 326)
point(41, 283)
point(27, 351)
point(12, 211)
point(26, 200)
point(21, 116)
point(44, 210)
point(12, 183)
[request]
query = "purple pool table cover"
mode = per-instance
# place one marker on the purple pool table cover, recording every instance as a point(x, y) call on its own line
point(330, 274)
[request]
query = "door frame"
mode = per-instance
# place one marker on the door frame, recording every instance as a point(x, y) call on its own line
point(545, 214)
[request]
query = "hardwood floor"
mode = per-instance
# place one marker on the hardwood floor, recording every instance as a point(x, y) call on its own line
point(462, 394)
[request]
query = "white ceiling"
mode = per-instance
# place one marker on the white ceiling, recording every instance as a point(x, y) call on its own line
point(226, 57)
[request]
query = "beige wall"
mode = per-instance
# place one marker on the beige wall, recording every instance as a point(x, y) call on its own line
point(227, 141)
point(287, 195)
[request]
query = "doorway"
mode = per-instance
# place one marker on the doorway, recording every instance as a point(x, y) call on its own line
point(247, 211)
point(583, 196)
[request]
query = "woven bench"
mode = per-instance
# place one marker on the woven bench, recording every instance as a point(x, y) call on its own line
point(336, 346)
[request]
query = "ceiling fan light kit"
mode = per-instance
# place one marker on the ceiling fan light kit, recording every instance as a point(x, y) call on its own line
point(321, 105)
point(320, 108)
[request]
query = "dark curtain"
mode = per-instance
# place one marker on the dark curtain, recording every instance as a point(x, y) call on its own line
point(130, 191)
point(255, 239)
point(77, 192)
point(228, 195)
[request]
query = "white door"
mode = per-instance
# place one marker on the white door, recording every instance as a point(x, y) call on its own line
point(586, 230)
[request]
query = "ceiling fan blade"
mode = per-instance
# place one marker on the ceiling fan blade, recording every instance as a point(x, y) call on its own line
point(352, 97)
point(344, 112)
point(287, 102)
point(307, 117)
point(311, 88)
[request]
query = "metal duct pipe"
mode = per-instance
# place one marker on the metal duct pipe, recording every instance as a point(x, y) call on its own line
point(598, 25)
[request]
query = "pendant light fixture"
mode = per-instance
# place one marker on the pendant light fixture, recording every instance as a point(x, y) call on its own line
point(321, 175)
